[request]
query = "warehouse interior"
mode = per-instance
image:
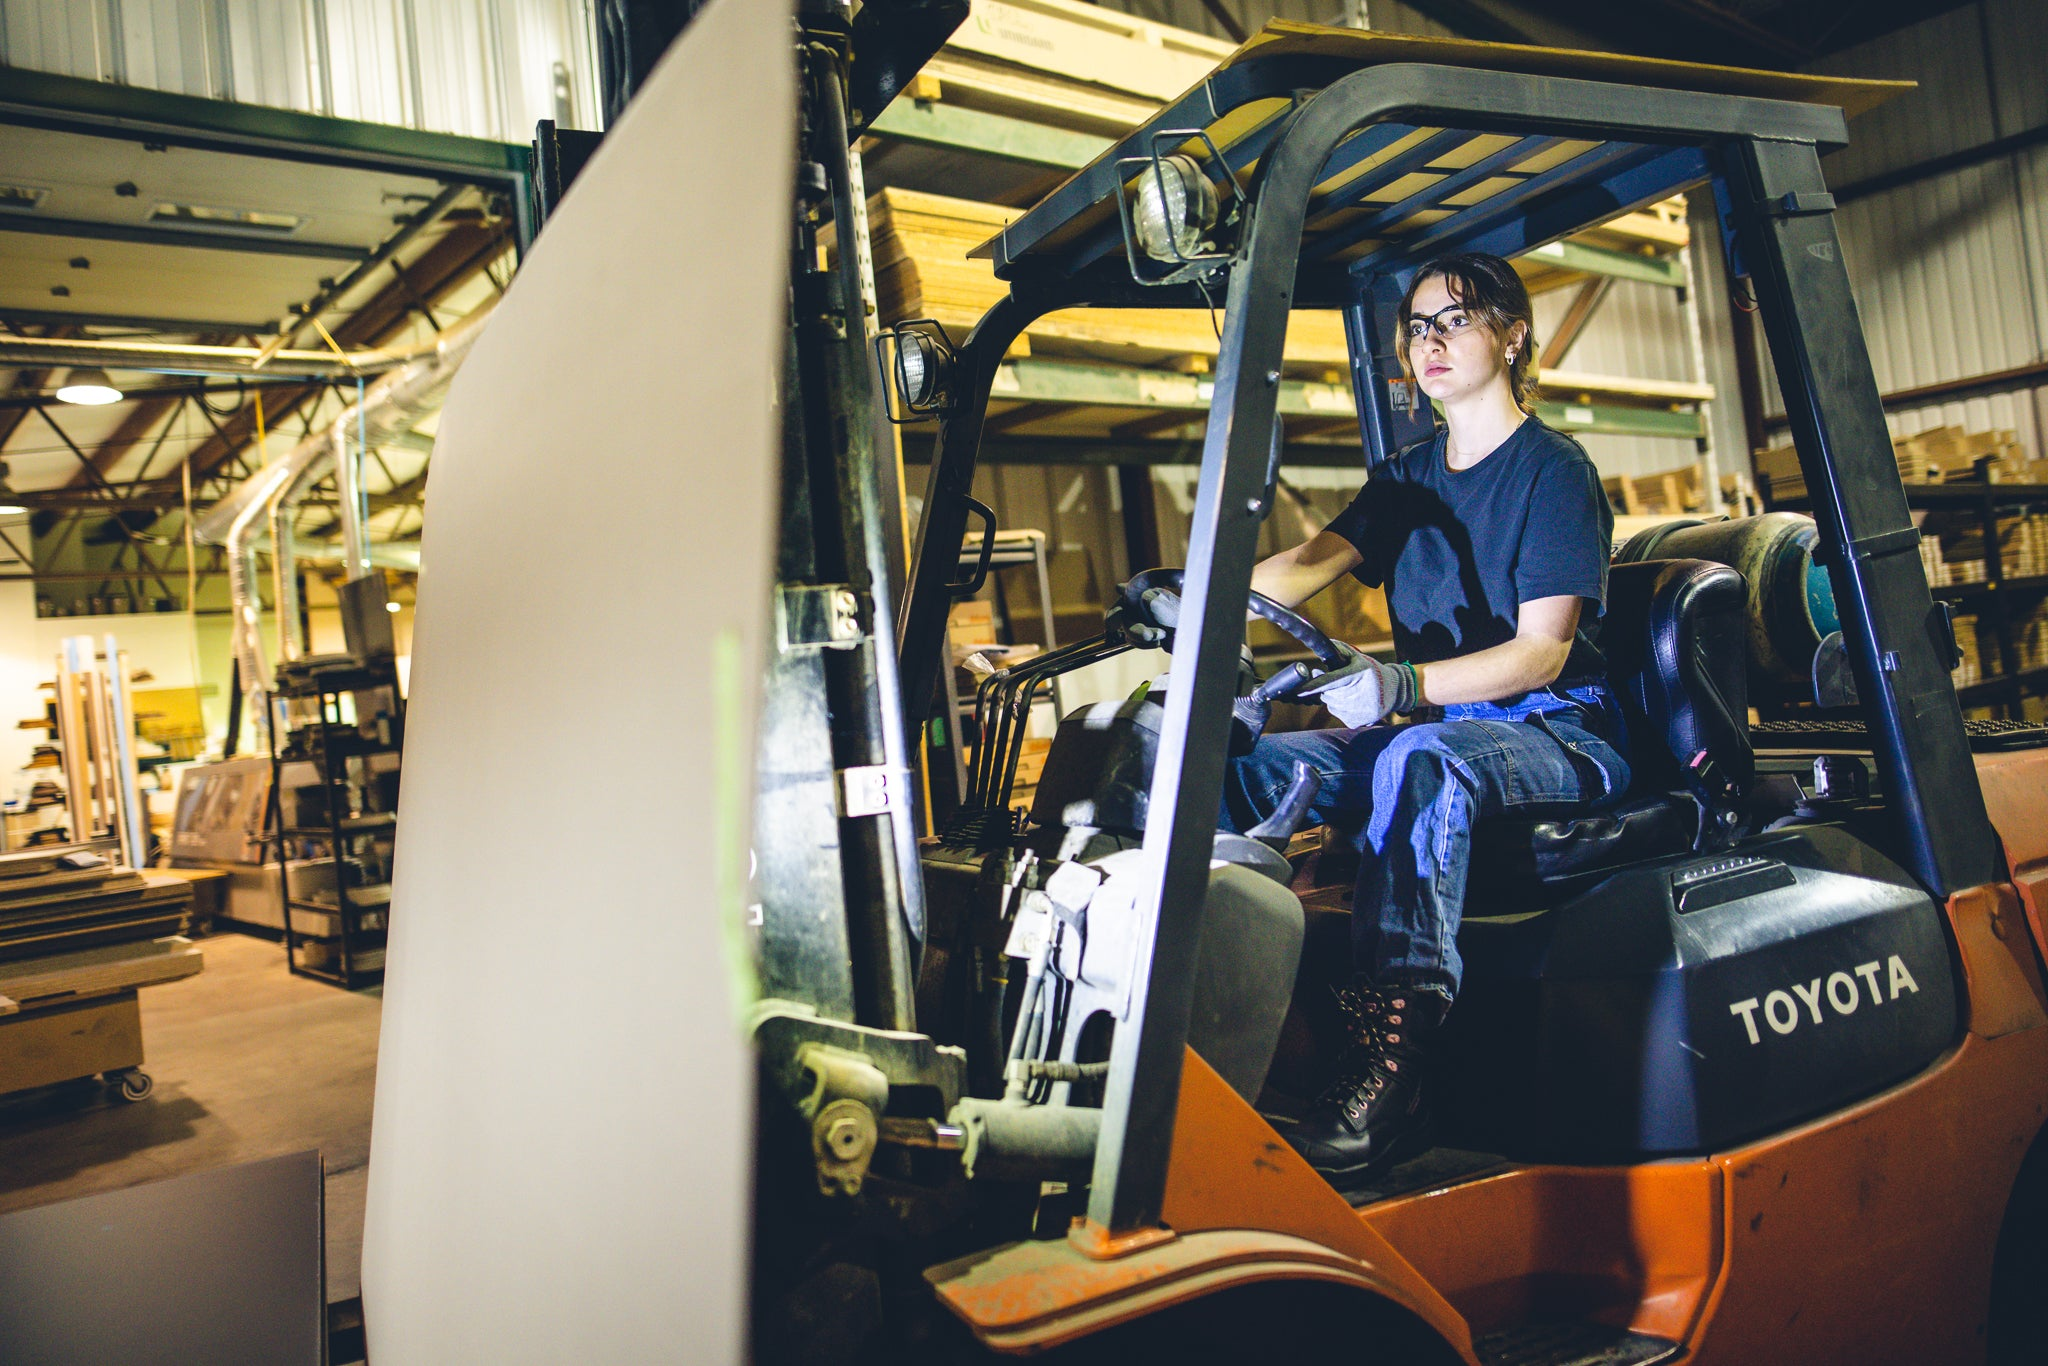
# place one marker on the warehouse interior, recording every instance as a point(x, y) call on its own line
point(247, 251)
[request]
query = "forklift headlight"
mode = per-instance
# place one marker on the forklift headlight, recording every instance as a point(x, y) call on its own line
point(1176, 208)
point(917, 355)
point(1175, 219)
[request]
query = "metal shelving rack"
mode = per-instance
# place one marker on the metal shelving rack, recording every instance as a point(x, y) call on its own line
point(2006, 685)
point(354, 923)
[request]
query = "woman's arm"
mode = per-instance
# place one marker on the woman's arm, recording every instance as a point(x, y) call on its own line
point(1533, 659)
point(1294, 576)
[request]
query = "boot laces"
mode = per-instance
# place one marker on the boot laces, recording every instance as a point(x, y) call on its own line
point(1376, 1021)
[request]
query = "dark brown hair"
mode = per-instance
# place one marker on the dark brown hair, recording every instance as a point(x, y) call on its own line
point(1490, 291)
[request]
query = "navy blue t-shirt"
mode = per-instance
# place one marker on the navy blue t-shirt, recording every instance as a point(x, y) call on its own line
point(1459, 551)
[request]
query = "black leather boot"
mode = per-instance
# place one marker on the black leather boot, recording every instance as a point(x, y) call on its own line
point(1375, 1112)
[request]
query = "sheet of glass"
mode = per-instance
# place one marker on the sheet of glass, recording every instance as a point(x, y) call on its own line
point(561, 1157)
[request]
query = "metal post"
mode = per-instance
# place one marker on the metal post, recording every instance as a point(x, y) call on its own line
point(921, 627)
point(1784, 220)
point(1696, 339)
point(1391, 411)
point(1145, 1059)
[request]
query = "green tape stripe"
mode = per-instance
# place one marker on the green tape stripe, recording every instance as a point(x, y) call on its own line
point(730, 853)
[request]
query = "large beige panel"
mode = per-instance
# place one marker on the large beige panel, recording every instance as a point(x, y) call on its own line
point(561, 1156)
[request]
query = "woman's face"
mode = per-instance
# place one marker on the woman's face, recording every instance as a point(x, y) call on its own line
point(1455, 354)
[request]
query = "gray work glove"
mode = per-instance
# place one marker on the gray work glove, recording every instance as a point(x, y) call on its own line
point(1163, 606)
point(1365, 698)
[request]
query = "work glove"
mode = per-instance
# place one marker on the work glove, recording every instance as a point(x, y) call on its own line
point(1162, 605)
point(1365, 698)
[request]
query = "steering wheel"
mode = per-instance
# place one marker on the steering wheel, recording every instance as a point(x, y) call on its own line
point(1333, 658)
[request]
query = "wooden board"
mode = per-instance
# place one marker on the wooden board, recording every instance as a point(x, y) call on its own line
point(564, 1044)
point(96, 972)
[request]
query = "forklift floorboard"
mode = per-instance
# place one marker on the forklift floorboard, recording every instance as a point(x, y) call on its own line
point(249, 1062)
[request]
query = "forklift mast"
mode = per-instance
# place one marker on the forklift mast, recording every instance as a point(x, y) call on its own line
point(1305, 115)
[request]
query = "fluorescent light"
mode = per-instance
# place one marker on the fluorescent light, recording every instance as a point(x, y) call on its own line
point(389, 606)
point(11, 510)
point(89, 386)
point(208, 216)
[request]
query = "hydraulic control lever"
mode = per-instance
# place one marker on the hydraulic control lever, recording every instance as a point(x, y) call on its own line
point(1255, 708)
point(1277, 829)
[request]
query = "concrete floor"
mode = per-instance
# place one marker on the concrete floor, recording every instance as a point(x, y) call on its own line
point(249, 1062)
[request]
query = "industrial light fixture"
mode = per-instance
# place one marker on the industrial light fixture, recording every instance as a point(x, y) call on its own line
point(1174, 214)
point(8, 506)
point(89, 385)
point(391, 607)
point(1176, 208)
point(918, 355)
point(209, 216)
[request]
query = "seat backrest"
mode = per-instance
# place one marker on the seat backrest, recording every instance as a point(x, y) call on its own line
point(1098, 770)
point(1675, 635)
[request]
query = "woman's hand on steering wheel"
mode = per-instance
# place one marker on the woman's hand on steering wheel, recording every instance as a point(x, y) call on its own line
point(1148, 608)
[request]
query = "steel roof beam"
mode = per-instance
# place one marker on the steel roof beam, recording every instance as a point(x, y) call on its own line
point(181, 237)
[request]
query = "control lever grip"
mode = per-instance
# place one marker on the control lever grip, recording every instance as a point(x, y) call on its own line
point(1278, 828)
point(1255, 708)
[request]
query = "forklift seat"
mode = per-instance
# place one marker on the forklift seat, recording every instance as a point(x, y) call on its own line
point(1675, 637)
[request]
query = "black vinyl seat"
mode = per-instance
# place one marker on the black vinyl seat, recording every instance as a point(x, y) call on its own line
point(1675, 636)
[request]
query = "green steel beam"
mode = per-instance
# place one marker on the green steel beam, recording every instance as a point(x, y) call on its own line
point(1116, 386)
point(1622, 265)
point(1024, 449)
point(1112, 386)
point(996, 135)
point(72, 104)
point(1614, 419)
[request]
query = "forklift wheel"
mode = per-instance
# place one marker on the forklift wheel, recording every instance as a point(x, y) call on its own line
point(134, 1083)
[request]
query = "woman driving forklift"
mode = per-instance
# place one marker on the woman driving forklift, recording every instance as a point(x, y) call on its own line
point(1491, 539)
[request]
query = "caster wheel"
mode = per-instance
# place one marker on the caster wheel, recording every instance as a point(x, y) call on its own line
point(135, 1083)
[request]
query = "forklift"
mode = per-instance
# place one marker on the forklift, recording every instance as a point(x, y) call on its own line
point(1749, 1068)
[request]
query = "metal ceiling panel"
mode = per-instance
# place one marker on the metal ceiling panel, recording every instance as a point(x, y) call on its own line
point(118, 181)
point(192, 283)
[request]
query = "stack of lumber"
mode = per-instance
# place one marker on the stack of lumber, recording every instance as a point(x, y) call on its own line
point(1971, 670)
point(922, 270)
point(1667, 492)
point(1940, 455)
point(1944, 455)
point(2033, 640)
point(2023, 546)
point(63, 901)
point(1932, 562)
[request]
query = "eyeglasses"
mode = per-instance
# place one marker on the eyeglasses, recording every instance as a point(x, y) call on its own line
point(1447, 323)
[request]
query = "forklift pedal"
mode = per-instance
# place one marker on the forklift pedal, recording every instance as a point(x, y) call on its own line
point(1572, 1344)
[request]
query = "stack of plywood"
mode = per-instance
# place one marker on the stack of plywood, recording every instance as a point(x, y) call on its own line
point(62, 901)
point(1939, 455)
point(1943, 455)
point(922, 270)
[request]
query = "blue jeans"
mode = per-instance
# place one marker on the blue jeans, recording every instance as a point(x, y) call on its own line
point(1407, 797)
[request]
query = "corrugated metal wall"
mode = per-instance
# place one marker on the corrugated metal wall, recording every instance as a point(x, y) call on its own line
point(484, 68)
point(1950, 273)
